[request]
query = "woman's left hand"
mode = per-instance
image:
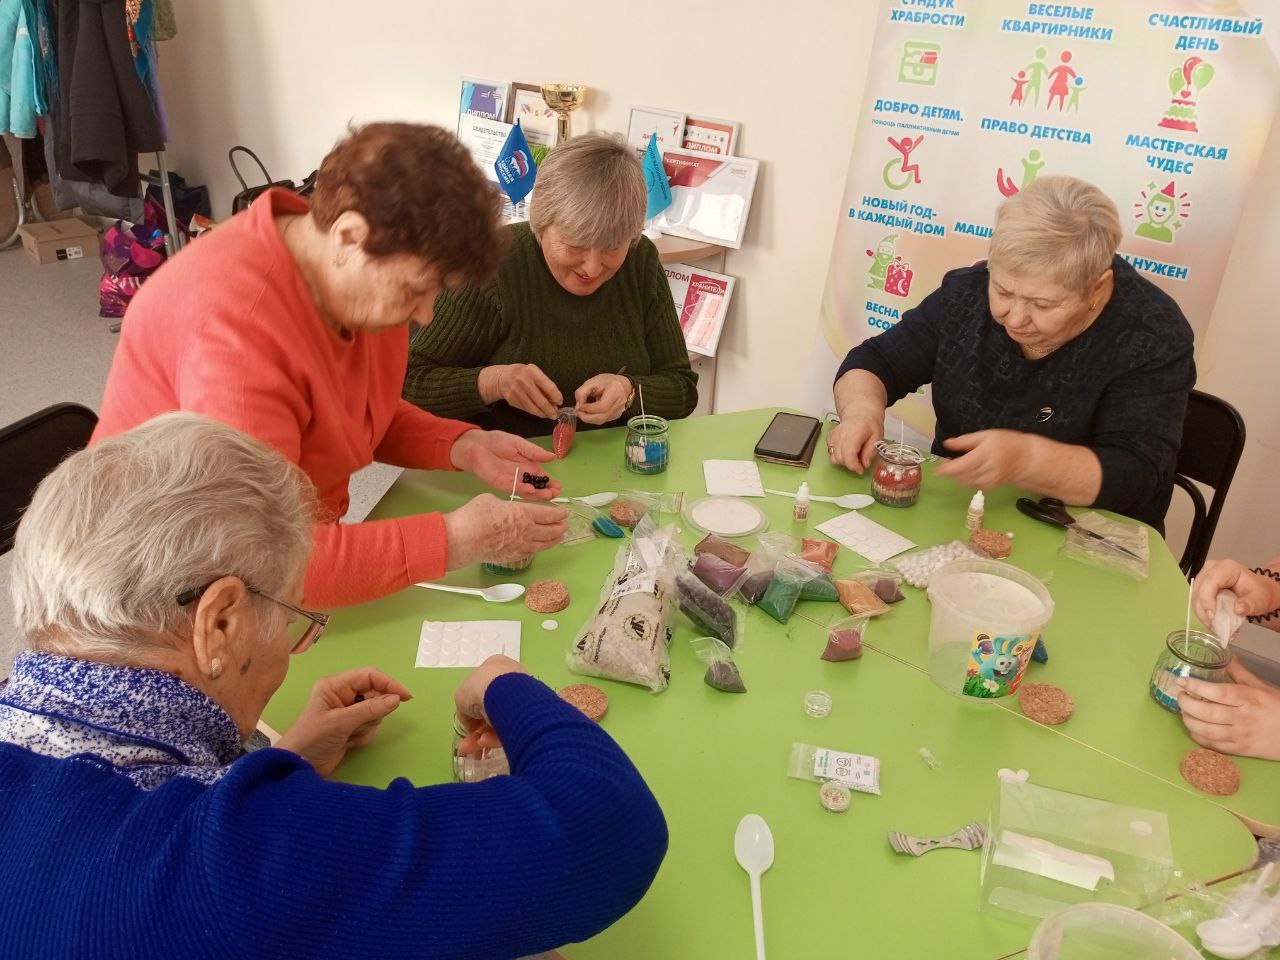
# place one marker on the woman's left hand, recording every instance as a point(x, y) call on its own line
point(333, 720)
point(1242, 718)
point(496, 458)
point(603, 398)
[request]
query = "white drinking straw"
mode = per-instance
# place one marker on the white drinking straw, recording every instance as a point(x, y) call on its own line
point(515, 482)
point(1190, 589)
point(640, 391)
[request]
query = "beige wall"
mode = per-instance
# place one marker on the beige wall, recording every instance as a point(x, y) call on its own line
point(286, 76)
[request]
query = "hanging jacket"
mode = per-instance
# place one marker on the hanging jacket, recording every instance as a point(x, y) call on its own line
point(20, 95)
point(104, 114)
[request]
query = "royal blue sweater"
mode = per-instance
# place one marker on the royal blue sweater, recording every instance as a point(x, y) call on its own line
point(271, 860)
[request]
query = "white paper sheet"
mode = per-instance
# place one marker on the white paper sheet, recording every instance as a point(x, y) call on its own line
point(865, 537)
point(466, 643)
point(732, 478)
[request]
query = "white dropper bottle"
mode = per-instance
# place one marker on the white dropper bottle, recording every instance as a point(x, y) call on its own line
point(977, 506)
point(801, 509)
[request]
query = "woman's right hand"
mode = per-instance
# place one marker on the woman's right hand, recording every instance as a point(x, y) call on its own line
point(1255, 594)
point(468, 699)
point(852, 442)
point(523, 386)
point(502, 531)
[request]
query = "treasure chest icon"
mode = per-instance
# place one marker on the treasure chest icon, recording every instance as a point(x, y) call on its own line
point(919, 62)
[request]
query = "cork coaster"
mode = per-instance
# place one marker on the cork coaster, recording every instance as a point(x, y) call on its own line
point(588, 698)
point(1210, 771)
point(993, 543)
point(1046, 703)
point(546, 596)
point(626, 513)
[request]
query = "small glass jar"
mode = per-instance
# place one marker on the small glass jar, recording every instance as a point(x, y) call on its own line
point(895, 478)
point(1188, 653)
point(502, 569)
point(647, 446)
point(491, 762)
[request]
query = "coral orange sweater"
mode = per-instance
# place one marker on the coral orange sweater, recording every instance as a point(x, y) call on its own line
point(229, 329)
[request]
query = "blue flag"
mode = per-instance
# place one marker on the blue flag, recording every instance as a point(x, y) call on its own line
point(656, 184)
point(515, 167)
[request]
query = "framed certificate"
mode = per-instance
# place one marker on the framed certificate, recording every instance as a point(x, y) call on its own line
point(537, 120)
point(646, 121)
point(486, 99)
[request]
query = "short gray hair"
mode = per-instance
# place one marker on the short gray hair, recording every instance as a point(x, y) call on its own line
point(117, 531)
point(590, 188)
point(1057, 225)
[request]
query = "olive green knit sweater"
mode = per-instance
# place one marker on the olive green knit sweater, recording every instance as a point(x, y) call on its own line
point(525, 316)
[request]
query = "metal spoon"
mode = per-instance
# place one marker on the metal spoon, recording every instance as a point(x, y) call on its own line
point(753, 846)
point(593, 500)
point(849, 501)
point(498, 593)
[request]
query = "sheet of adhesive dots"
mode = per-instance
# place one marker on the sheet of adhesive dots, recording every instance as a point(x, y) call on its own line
point(865, 537)
point(732, 478)
point(466, 643)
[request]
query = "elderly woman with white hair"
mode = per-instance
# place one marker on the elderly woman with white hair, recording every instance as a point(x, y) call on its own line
point(580, 313)
point(1055, 366)
point(156, 579)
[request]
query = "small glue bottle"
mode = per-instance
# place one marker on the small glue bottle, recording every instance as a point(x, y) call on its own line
point(801, 509)
point(973, 519)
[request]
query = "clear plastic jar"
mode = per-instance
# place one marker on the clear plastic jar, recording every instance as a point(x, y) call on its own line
point(491, 762)
point(647, 446)
point(1188, 653)
point(896, 476)
point(501, 569)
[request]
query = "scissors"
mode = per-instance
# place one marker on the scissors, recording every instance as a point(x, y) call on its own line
point(1054, 511)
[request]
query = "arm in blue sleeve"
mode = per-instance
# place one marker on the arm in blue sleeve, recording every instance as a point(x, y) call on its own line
point(903, 356)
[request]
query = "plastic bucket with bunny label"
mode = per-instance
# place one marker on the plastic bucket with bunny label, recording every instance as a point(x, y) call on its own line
point(987, 617)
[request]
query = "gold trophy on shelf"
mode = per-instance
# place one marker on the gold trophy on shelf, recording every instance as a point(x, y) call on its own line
point(563, 98)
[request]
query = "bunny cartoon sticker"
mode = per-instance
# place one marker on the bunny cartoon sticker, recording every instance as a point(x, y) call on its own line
point(997, 663)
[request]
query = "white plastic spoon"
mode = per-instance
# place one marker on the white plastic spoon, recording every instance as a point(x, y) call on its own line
point(849, 501)
point(498, 593)
point(753, 846)
point(1227, 938)
point(593, 500)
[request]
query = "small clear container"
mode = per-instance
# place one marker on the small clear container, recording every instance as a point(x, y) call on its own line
point(502, 569)
point(1188, 653)
point(896, 476)
point(492, 762)
point(647, 446)
point(817, 703)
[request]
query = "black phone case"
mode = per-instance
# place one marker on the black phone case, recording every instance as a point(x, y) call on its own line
point(794, 458)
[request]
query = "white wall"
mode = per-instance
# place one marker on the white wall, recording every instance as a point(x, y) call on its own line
point(285, 77)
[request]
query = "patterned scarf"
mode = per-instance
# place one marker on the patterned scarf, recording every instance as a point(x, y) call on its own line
point(148, 724)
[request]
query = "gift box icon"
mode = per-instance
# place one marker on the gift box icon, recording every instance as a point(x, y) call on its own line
point(897, 279)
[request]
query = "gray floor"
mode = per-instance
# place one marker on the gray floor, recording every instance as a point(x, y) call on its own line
point(54, 347)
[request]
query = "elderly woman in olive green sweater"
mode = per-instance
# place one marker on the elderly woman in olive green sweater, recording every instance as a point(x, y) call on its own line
point(579, 314)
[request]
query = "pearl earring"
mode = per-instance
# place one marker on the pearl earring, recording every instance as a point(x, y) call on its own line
point(215, 668)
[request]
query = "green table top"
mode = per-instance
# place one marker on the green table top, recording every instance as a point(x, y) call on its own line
point(712, 757)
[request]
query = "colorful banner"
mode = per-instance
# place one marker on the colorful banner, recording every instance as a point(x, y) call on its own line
point(1165, 106)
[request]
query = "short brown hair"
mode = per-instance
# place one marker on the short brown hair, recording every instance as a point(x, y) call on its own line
point(421, 193)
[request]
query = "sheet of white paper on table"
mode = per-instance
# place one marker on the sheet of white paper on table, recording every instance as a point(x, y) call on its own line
point(865, 537)
point(466, 643)
point(732, 478)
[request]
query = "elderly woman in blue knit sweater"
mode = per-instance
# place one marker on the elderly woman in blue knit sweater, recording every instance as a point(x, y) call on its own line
point(155, 581)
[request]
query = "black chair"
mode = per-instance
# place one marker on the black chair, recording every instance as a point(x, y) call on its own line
point(29, 450)
point(1212, 442)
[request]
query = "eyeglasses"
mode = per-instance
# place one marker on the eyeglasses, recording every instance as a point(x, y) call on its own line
point(314, 623)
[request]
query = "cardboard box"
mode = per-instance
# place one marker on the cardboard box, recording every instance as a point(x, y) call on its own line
point(71, 239)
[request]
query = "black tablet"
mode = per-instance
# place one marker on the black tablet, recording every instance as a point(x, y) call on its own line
point(790, 438)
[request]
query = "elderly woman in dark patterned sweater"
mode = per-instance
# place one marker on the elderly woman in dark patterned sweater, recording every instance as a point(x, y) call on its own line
point(1055, 366)
point(579, 314)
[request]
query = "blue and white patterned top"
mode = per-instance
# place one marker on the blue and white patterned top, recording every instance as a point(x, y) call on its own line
point(148, 724)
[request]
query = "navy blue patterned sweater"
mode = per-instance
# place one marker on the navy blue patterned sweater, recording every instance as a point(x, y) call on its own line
point(128, 833)
point(1120, 388)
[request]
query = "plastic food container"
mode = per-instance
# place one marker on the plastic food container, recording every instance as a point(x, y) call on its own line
point(986, 618)
point(1104, 931)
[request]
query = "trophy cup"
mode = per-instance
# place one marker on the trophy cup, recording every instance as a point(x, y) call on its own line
point(563, 98)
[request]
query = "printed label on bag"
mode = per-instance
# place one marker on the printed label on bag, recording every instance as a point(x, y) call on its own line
point(634, 579)
point(854, 770)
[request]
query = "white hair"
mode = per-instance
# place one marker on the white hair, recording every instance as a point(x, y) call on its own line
point(590, 188)
point(1060, 226)
point(117, 531)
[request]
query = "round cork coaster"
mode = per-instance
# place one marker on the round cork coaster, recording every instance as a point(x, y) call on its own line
point(588, 698)
point(626, 513)
point(993, 543)
point(546, 596)
point(1046, 703)
point(1210, 771)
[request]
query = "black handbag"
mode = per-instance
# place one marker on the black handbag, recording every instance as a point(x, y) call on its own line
point(247, 193)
